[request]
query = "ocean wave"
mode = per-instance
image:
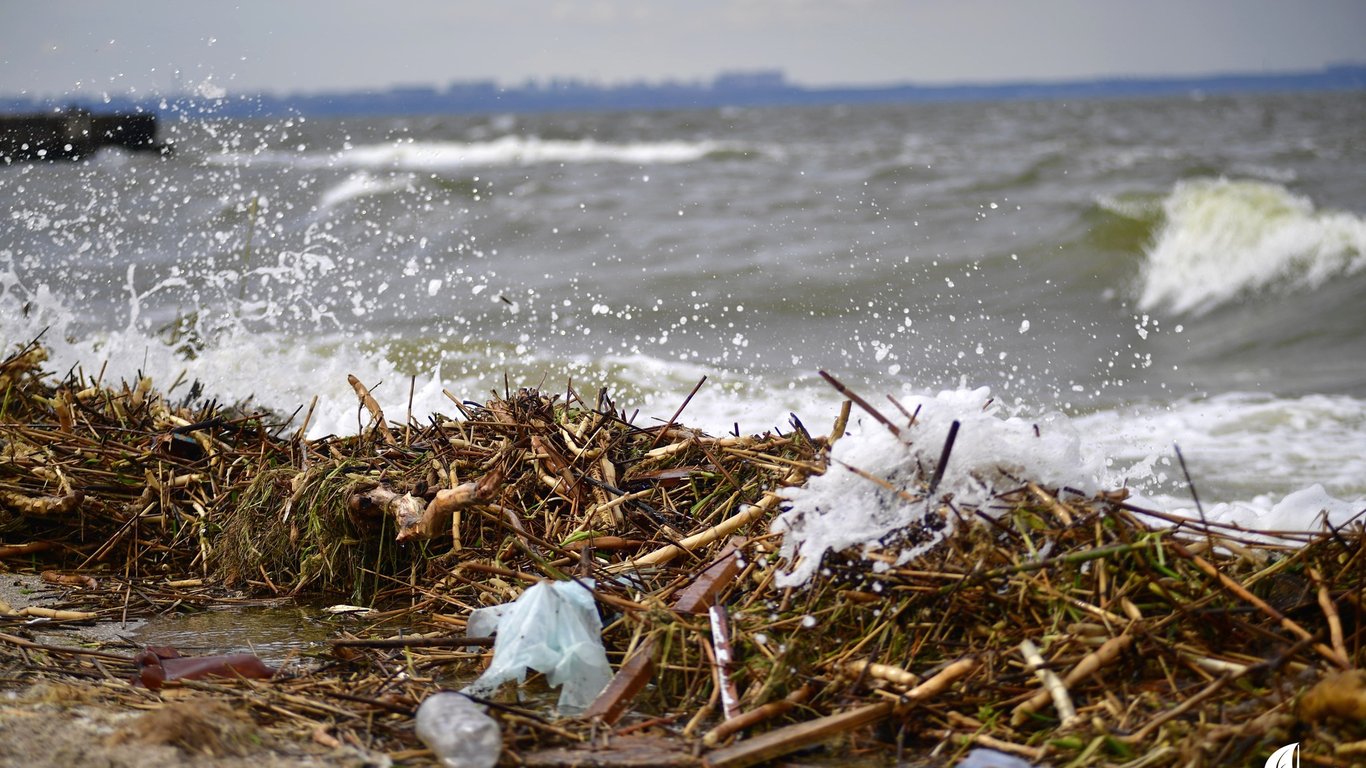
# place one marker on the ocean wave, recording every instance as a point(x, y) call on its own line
point(1123, 223)
point(1223, 240)
point(413, 155)
point(270, 369)
point(1109, 159)
point(1145, 208)
point(1238, 445)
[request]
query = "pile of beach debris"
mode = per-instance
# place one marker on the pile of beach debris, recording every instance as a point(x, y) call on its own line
point(1059, 628)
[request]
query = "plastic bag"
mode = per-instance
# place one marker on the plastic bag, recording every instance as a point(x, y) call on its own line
point(552, 628)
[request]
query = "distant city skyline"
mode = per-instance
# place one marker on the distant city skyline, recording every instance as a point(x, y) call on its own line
point(157, 46)
point(765, 88)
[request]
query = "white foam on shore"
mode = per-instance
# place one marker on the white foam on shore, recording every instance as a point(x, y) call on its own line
point(274, 370)
point(993, 452)
point(284, 371)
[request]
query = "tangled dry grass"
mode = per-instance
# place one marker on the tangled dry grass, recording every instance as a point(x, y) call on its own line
point(1063, 629)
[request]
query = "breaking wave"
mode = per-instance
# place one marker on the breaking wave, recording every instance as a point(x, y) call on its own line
point(1223, 240)
point(413, 155)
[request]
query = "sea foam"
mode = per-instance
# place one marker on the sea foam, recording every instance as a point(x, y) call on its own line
point(993, 452)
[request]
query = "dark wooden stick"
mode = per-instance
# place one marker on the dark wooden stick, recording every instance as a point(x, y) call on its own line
point(944, 458)
point(864, 404)
point(674, 418)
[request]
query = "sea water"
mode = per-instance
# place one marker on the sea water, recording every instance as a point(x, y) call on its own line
point(1124, 277)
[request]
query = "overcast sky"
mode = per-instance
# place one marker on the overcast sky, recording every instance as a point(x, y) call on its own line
point(61, 46)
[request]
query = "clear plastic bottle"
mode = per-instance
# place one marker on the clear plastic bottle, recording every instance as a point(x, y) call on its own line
point(459, 731)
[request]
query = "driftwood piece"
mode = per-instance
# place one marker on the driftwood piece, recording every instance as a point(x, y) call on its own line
point(407, 509)
point(755, 716)
point(603, 542)
point(783, 741)
point(444, 508)
point(443, 511)
point(57, 614)
point(372, 406)
point(941, 680)
point(629, 681)
point(1062, 702)
point(27, 548)
point(888, 672)
point(69, 579)
point(702, 592)
point(66, 419)
point(723, 661)
point(723, 529)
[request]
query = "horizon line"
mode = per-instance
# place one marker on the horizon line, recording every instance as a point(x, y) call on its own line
point(729, 79)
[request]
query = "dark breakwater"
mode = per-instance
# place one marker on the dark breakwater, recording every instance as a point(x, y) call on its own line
point(72, 134)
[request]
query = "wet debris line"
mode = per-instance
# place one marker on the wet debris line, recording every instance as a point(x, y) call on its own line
point(1056, 628)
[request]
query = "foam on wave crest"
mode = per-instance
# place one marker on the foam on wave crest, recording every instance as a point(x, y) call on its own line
point(1223, 240)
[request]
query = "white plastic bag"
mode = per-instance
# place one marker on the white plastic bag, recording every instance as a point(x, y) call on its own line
point(552, 628)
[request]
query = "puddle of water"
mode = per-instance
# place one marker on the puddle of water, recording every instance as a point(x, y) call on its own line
point(276, 634)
